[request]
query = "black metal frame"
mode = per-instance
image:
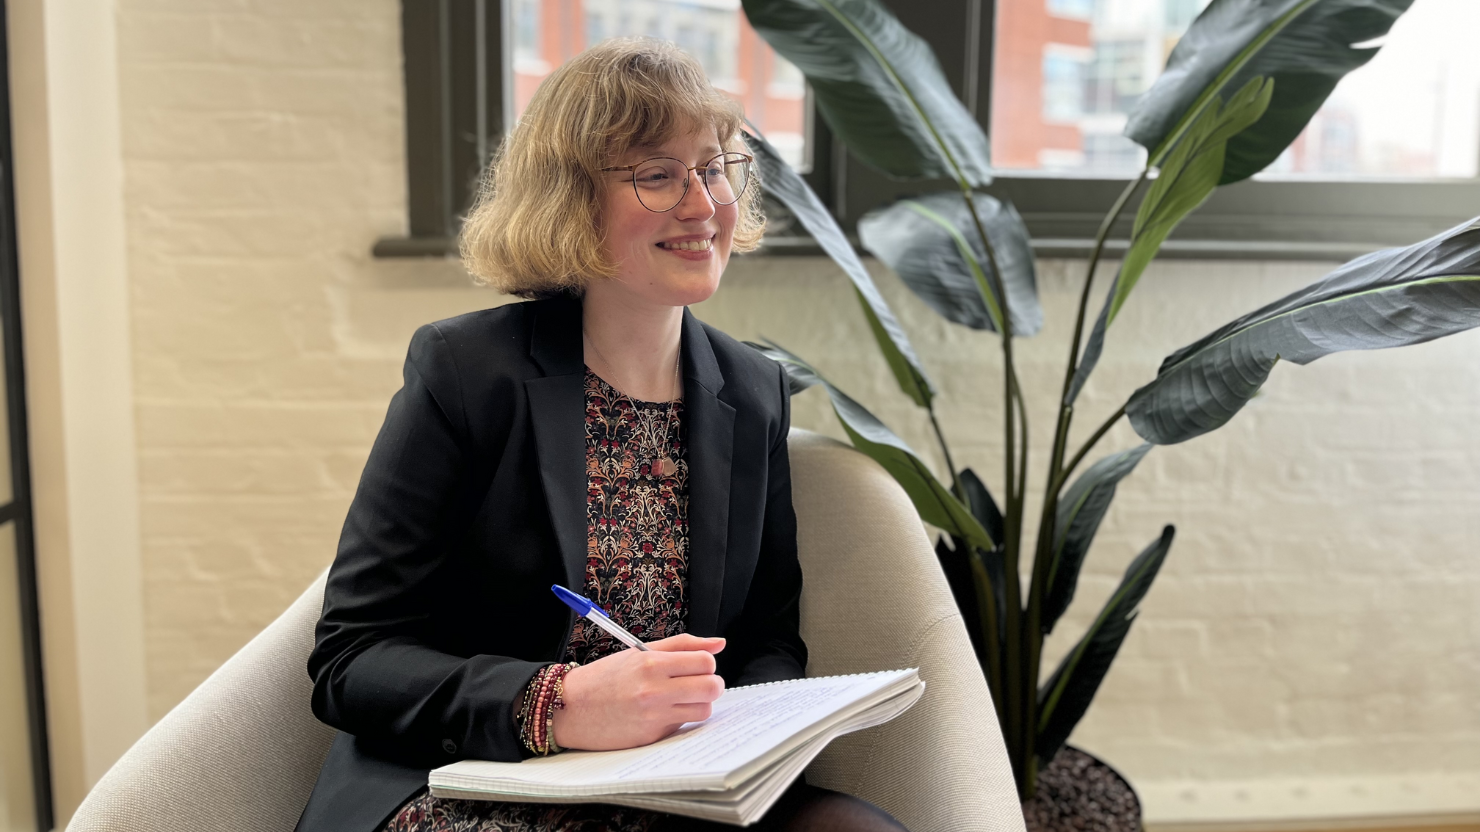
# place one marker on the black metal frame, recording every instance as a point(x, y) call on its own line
point(457, 99)
point(18, 510)
point(1286, 219)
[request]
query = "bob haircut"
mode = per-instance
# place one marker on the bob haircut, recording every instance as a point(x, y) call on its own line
point(535, 228)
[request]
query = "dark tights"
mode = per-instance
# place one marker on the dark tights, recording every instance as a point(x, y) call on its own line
point(803, 808)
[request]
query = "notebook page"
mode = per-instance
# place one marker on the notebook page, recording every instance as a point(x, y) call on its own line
point(746, 724)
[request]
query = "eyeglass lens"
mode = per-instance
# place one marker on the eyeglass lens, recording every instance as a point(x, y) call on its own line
point(662, 182)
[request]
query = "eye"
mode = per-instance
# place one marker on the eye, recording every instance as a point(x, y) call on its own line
point(651, 176)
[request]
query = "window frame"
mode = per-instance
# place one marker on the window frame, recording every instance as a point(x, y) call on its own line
point(18, 511)
point(1280, 219)
point(458, 98)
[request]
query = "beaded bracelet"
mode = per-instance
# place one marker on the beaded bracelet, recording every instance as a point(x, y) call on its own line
point(543, 696)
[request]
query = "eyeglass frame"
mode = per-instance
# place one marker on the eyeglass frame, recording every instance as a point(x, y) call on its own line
point(632, 169)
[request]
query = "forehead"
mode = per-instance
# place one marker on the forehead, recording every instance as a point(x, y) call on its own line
point(696, 147)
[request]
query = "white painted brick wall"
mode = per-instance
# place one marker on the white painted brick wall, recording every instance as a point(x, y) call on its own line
point(1316, 617)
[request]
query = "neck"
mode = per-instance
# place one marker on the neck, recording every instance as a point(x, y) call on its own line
point(631, 344)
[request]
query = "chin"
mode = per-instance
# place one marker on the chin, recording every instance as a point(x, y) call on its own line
point(695, 289)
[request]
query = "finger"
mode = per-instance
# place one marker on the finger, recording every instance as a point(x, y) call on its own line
point(697, 712)
point(687, 663)
point(689, 690)
point(686, 642)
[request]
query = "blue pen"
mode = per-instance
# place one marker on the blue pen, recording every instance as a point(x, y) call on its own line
point(584, 607)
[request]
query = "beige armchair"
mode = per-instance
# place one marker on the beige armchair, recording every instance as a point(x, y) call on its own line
point(242, 751)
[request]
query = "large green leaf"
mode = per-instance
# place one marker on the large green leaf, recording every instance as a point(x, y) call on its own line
point(1064, 698)
point(1306, 46)
point(983, 506)
point(987, 571)
point(1081, 509)
point(783, 183)
point(933, 501)
point(878, 86)
point(975, 579)
point(1186, 178)
point(1389, 298)
point(932, 243)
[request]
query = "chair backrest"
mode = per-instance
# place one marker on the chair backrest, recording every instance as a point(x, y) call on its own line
point(874, 598)
point(242, 751)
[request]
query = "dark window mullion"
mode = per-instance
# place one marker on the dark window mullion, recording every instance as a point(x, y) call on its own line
point(19, 509)
point(456, 101)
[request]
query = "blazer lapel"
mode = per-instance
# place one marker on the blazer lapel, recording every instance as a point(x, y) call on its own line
point(711, 439)
point(557, 410)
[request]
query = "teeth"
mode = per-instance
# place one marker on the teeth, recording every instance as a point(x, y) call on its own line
point(690, 245)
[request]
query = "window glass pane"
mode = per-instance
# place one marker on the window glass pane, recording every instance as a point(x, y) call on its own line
point(549, 32)
point(1068, 72)
point(1412, 112)
point(17, 798)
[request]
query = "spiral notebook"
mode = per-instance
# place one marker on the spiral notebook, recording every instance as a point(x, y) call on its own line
point(729, 768)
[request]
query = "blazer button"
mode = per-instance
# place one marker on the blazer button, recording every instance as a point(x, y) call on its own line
point(449, 746)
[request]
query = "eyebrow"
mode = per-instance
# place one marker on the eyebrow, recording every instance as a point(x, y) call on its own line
point(712, 150)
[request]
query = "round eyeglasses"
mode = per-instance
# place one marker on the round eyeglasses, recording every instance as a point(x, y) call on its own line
point(662, 181)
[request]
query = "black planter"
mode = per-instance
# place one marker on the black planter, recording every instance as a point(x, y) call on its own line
point(1079, 792)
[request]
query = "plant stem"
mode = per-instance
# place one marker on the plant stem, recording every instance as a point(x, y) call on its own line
point(1043, 552)
point(1095, 437)
point(946, 452)
point(1013, 682)
point(1089, 278)
point(1013, 615)
point(991, 635)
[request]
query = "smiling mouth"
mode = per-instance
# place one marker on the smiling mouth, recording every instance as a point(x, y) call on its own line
point(688, 245)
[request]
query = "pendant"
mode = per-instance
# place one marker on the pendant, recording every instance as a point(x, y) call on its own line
point(664, 467)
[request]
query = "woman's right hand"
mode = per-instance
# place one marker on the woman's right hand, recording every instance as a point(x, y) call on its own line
point(637, 697)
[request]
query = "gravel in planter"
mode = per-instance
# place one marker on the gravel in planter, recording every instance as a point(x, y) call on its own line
point(1078, 793)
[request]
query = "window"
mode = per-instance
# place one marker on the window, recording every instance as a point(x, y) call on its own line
point(1391, 158)
point(1410, 113)
point(472, 66)
point(1413, 112)
point(715, 32)
point(1063, 82)
point(1081, 9)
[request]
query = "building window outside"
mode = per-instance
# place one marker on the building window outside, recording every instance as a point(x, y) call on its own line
point(1081, 9)
point(1064, 82)
point(527, 37)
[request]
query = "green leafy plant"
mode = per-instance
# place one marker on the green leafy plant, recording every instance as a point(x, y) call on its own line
point(1238, 88)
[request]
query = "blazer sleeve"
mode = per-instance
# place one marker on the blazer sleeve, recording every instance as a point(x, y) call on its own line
point(771, 619)
point(374, 673)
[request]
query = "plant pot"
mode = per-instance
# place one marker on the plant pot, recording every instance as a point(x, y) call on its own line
point(1079, 792)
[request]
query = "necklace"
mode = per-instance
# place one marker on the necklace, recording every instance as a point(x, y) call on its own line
point(660, 463)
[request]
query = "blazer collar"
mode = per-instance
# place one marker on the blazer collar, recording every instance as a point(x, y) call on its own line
point(557, 410)
point(555, 344)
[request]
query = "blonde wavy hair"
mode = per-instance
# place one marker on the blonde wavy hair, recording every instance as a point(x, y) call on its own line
point(535, 228)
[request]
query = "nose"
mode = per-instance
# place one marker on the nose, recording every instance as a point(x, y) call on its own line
point(695, 204)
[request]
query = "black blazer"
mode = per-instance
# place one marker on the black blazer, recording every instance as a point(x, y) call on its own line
point(438, 607)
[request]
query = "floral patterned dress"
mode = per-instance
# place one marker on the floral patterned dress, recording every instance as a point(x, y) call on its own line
point(637, 553)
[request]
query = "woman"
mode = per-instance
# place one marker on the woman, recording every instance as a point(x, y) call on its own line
point(598, 437)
